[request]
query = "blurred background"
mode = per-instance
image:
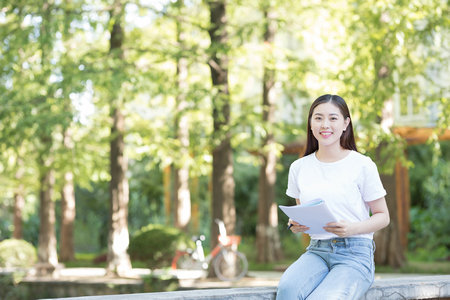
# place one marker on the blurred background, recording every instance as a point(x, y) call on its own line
point(119, 115)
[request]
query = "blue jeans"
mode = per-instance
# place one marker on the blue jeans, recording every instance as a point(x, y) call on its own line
point(339, 268)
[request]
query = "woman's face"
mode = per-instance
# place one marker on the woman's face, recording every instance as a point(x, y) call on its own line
point(328, 124)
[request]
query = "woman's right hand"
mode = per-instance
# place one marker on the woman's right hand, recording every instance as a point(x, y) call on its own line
point(296, 227)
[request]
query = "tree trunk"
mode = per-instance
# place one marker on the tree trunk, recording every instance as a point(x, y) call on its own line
point(267, 237)
point(182, 193)
point(47, 254)
point(390, 251)
point(222, 173)
point(19, 203)
point(67, 249)
point(391, 244)
point(118, 260)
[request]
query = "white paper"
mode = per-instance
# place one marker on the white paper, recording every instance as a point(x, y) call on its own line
point(314, 214)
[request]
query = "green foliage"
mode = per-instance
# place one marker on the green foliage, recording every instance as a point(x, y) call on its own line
point(161, 283)
point(156, 245)
point(9, 288)
point(146, 195)
point(58, 73)
point(91, 224)
point(17, 253)
point(246, 175)
point(430, 225)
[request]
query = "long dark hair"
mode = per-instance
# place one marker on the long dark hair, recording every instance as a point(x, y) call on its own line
point(347, 137)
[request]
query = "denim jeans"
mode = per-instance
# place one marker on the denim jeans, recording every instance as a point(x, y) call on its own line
point(339, 268)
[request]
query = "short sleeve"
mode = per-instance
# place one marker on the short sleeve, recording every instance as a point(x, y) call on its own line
point(371, 185)
point(292, 186)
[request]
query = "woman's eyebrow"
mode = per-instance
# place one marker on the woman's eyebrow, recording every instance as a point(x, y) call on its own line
point(332, 114)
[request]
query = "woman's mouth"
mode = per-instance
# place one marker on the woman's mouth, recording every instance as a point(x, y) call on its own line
point(326, 134)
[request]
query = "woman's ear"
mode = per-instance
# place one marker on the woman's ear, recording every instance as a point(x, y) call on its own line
point(346, 122)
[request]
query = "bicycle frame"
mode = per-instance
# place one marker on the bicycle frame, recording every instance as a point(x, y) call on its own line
point(231, 241)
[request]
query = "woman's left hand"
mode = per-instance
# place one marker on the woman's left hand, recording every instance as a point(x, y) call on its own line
point(342, 228)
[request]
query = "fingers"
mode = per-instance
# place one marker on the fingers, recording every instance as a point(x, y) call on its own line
point(292, 222)
point(299, 228)
point(339, 231)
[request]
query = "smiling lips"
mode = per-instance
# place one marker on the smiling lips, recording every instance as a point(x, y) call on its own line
point(326, 134)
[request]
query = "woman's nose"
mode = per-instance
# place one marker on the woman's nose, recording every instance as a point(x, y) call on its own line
point(325, 124)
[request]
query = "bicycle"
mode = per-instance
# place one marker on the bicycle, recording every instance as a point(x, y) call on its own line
point(229, 264)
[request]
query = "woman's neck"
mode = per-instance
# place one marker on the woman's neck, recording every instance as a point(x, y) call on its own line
point(331, 155)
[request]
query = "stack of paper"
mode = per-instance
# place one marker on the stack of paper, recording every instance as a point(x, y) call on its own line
point(315, 214)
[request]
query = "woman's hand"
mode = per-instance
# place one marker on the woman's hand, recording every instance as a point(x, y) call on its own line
point(342, 228)
point(296, 227)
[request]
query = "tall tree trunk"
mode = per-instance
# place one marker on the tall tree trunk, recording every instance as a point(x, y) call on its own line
point(19, 202)
point(182, 193)
point(47, 254)
point(223, 184)
point(68, 211)
point(267, 237)
point(67, 249)
point(390, 249)
point(118, 260)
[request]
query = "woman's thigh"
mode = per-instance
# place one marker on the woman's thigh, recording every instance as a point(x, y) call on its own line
point(342, 282)
point(302, 277)
point(352, 271)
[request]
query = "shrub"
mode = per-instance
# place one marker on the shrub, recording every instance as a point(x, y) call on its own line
point(17, 253)
point(430, 226)
point(156, 244)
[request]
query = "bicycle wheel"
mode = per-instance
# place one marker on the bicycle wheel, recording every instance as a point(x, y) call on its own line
point(230, 265)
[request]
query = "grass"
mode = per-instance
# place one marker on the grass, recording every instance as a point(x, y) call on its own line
point(418, 267)
point(292, 249)
point(85, 260)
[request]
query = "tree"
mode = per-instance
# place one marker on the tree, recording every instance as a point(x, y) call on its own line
point(118, 261)
point(68, 211)
point(19, 202)
point(47, 253)
point(182, 196)
point(392, 52)
point(222, 166)
point(267, 236)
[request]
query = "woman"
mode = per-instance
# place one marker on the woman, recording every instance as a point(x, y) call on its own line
point(338, 264)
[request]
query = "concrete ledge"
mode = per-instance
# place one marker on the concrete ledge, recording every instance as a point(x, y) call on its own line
point(420, 287)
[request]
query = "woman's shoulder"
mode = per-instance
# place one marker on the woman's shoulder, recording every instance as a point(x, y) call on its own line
point(302, 160)
point(362, 159)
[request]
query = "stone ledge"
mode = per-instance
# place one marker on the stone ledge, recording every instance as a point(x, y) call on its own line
point(420, 287)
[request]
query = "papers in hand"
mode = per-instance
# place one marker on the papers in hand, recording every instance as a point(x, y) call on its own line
point(315, 214)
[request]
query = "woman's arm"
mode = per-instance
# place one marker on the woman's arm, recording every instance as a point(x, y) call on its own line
point(378, 220)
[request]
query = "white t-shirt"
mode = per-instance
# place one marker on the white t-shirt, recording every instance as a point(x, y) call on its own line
point(345, 185)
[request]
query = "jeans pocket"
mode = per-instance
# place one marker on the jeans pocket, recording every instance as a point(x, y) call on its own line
point(363, 255)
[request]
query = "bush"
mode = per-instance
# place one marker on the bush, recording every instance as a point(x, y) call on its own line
point(156, 245)
point(17, 253)
point(430, 226)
